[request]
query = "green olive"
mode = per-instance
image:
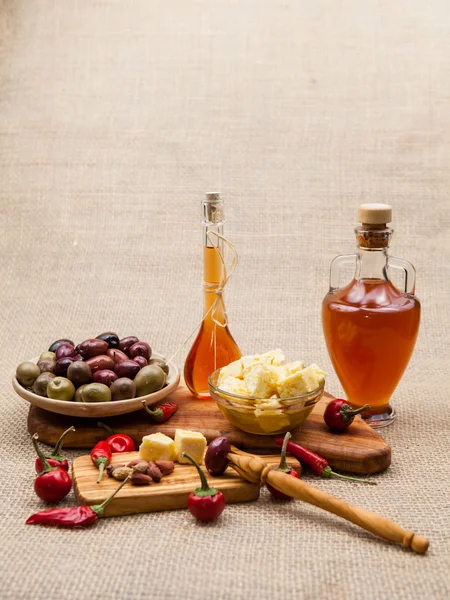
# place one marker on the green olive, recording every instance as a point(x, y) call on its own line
point(60, 388)
point(40, 384)
point(159, 362)
point(149, 379)
point(48, 356)
point(27, 373)
point(95, 392)
point(79, 393)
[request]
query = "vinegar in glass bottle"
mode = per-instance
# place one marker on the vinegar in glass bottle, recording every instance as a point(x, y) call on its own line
point(214, 346)
point(370, 326)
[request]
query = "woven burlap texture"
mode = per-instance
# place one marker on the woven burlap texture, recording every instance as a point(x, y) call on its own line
point(115, 118)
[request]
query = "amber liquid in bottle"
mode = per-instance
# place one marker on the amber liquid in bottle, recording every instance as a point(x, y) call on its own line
point(214, 346)
point(370, 326)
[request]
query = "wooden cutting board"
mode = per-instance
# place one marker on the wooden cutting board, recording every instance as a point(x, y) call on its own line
point(359, 450)
point(172, 491)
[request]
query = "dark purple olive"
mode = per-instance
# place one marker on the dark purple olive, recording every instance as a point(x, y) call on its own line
point(127, 368)
point(48, 366)
point(140, 349)
point(77, 357)
point(92, 347)
point(62, 365)
point(97, 363)
point(58, 343)
point(141, 361)
point(216, 457)
point(65, 350)
point(110, 337)
point(126, 343)
point(104, 376)
point(116, 355)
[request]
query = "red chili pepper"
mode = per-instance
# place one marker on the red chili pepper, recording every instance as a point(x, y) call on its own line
point(161, 412)
point(76, 516)
point(316, 463)
point(205, 503)
point(118, 442)
point(339, 414)
point(56, 459)
point(53, 483)
point(283, 466)
point(101, 457)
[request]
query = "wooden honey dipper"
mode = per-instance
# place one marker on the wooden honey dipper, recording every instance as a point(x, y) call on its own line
point(256, 470)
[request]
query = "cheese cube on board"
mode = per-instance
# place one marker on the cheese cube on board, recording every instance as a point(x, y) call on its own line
point(157, 446)
point(192, 442)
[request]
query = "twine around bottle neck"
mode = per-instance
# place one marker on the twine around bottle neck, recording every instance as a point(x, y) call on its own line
point(218, 290)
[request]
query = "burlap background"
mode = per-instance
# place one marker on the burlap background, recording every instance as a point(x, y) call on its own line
point(115, 118)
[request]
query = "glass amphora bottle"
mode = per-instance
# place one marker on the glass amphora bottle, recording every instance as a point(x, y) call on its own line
point(370, 326)
point(214, 346)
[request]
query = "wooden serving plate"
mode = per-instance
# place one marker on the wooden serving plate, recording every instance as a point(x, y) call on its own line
point(172, 492)
point(359, 450)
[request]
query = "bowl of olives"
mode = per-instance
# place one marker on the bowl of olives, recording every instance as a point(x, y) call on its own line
point(100, 377)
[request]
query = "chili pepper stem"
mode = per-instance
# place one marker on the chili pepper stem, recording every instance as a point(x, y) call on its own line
point(205, 489)
point(46, 468)
point(106, 427)
point(99, 508)
point(153, 413)
point(283, 466)
point(101, 463)
point(349, 413)
point(328, 472)
point(57, 449)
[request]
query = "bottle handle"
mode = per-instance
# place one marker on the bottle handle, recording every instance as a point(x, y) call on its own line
point(408, 270)
point(335, 268)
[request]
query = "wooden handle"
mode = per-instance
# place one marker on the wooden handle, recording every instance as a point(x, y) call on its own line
point(253, 468)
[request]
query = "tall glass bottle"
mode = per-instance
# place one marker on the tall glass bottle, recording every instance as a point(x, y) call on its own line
point(214, 346)
point(370, 326)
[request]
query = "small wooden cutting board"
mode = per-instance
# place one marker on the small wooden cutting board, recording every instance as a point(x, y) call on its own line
point(359, 450)
point(170, 493)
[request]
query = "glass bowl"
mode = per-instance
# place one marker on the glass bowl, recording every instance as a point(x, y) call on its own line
point(256, 415)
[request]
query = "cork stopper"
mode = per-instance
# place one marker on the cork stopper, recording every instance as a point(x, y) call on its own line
point(212, 209)
point(374, 214)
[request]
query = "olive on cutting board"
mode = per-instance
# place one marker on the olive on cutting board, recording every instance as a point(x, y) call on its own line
point(40, 384)
point(27, 373)
point(123, 389)
point(79, 373)
point(60, 388)
point(110, 337)
point(149, 379)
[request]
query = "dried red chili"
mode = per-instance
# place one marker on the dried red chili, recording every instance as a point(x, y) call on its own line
point(75, 516)
point(316, 463)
